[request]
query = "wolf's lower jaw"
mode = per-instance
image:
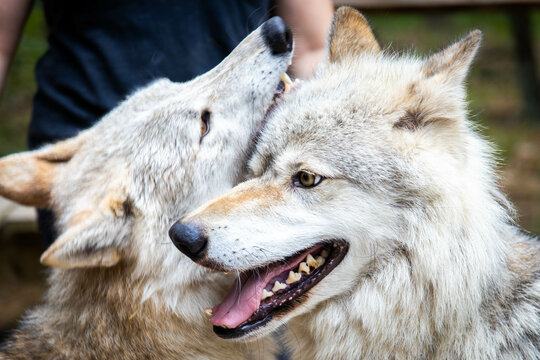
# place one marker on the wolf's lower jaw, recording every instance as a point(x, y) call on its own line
point(285, 290)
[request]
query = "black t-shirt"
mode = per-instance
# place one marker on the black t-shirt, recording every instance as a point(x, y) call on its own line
point(102, 50)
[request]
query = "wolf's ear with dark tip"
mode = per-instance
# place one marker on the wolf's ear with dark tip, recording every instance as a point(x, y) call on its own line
point(453, 62)
point(350, 35)
point(95, 237)
point(28, 177)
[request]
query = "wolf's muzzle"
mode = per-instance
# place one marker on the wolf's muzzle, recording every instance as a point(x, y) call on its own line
point(277, 36)
point(189, 239)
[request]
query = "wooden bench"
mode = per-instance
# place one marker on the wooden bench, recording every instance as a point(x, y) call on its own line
point(15, 218)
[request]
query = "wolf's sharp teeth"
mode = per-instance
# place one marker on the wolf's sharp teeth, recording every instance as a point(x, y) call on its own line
point(287, 82)
point(325, 253)
point(320, 260)
point(303, 268)
point(266, 294)
point(208, 311)
point(310, 260)
point(278, 286)
point(293, 277)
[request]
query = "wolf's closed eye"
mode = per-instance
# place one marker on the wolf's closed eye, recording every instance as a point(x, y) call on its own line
point(205, 123)
point(306, 179)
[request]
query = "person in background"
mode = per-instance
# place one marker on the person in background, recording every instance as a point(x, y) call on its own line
point(102, 50)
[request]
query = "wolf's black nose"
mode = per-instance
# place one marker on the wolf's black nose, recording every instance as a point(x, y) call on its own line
point(277, 36)
point(189, 239)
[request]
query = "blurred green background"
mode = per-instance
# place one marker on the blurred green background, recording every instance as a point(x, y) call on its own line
point(496, 105)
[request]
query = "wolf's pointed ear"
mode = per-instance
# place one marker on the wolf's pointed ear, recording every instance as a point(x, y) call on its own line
point(454, 61)
point(350, 35)
point(94, 239)
point(28, 177)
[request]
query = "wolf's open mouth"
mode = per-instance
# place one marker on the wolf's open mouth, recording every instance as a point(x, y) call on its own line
point(261, 293)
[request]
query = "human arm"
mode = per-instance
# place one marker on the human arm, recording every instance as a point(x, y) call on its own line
point(310, 22)
point(13, 14)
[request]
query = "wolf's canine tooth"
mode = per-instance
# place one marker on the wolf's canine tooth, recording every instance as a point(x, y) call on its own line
point(310, 260)
point(266, 294)
point(320, 260)
point(287, 82)
point(303, 268)
point(293, 277)
point(278, 286)
point(208, 311)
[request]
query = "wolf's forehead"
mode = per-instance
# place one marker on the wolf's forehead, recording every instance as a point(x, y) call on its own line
point(347, 111)
point(321, 141)
point(356, 91)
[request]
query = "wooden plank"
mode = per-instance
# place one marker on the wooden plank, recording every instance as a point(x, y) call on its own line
point(12, 213)
point(420, 4)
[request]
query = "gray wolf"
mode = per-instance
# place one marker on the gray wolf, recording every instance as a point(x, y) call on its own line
point(119, 289)
point(373, 225)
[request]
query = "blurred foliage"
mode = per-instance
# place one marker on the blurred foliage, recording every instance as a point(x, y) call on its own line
point(495, 98)
point(15, 105)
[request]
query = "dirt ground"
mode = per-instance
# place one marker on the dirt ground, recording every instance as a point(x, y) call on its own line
point(22, 276)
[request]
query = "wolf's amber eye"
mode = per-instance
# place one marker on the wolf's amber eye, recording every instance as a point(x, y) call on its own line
point(205, 123)
point(306, 179)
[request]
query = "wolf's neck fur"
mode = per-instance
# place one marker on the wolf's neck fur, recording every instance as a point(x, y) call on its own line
point(398, 312)
point(445, 294)
point(99, 314)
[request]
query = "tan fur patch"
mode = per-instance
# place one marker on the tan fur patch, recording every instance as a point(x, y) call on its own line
point(27, 180)
point(118, 203)
point(62, 151)
point(117, 200)
point(56, 257)
point(350, 35)
point(259, 194)
point(83, 215)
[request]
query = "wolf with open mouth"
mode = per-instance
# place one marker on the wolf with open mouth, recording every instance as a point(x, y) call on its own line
point(373, 225)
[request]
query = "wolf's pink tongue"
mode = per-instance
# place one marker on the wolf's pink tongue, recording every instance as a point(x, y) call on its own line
point(246, 294)
point(241, 302)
